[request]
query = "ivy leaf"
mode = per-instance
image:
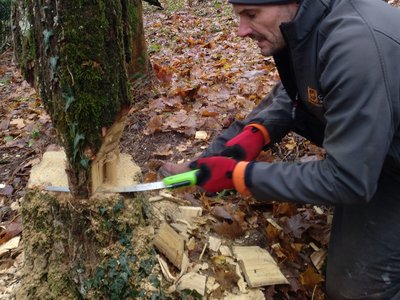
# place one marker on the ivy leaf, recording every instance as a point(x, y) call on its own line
point(78, 137)
point(85, 163)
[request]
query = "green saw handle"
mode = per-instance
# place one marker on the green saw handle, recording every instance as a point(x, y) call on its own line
point(182, 179)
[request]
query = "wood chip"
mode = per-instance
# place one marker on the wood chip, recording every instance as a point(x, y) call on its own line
point(315, 247)
point(214, 243)
point(201, 135)
point(165, 269)
point(212, 284)
point(172, 198)
point(318, 210)
point(258, 266)
point(170, 243)
point(273, 223)
point(187, 213)
point(10, 245)
point(318, 258)
point(241, 283)
point(191, 244)
point(225, 251)
point(192, 281)
point(250, 295)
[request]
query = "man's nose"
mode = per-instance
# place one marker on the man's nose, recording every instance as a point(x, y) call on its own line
point(244, 29)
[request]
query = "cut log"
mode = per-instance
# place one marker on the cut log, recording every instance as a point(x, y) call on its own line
point(170, 243)
point(258, 266)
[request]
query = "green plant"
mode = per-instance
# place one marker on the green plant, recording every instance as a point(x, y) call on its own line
point(154, 48)
point(174, 5)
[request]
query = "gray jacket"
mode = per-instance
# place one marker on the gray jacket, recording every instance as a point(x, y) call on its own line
point(341, 75)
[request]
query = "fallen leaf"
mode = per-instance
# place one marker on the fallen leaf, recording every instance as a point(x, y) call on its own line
point(295, 225)
point(230, 230)
point(284, 209)
point(154, 125)
point(310, 278)
point(221, 212)
point(12, 230)
point(19, 123)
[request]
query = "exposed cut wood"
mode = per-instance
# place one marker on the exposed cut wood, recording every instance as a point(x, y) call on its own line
point(315, 247)
point(191, 244)
point(181, 229)
point(273, 223)
point(225, 251)
point(201, 135)
point(211, 285)
point(318, 258)
point(105, 166)
point(241, 283)
point(258, 266)
point(250, 295)
point(170, 197)
point(318, 210)
point(192, 281)
point(51, 171)
point(278, 250)
point(165, 269)
point(9, 245)
point(214, 243)
point(170, 243)
point(187, 213)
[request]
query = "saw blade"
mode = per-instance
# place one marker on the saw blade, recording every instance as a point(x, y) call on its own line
point(134, 188)
point(121, 189)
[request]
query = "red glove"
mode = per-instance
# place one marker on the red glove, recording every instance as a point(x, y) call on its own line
point(248, 144)
point(219, 173)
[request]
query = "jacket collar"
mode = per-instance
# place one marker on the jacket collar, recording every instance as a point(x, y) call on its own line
point(308, 15)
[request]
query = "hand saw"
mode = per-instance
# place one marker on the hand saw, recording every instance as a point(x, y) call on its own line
point(174, 181)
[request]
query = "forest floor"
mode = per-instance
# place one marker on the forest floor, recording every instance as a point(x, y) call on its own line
point(206, 77)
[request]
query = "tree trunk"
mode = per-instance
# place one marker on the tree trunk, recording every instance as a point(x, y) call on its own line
point(79, 54)
point(84, 57)
point(5, 24)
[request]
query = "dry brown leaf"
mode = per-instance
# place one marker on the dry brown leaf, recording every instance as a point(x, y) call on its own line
point(284, 209)
point(12, 230)
point(310, 278)
point(230, 230)
point(19, 123)
point(221, 212)
point(295, 225)
point(163, 73)
point(154, 125)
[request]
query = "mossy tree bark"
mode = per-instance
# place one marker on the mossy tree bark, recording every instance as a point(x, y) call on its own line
point(81, 55)
point(84, 57)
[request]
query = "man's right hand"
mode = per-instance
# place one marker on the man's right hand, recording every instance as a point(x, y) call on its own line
point(248, 144)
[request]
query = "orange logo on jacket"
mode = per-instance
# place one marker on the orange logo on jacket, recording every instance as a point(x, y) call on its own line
point(313, 96)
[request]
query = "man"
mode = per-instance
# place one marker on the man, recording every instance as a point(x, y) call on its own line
point(338, 61)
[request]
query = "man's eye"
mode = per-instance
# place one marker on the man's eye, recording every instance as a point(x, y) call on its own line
point(251, 15)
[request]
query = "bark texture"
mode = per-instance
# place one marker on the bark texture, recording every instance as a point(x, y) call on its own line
point(81, 55)
point(84, 56)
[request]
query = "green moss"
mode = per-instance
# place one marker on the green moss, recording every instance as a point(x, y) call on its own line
point(92, 74)
point(93, 250)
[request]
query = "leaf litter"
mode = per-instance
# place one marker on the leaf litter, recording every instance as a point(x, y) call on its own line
point(207, 77)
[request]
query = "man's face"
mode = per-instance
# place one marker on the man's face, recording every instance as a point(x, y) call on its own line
point(261, 23)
